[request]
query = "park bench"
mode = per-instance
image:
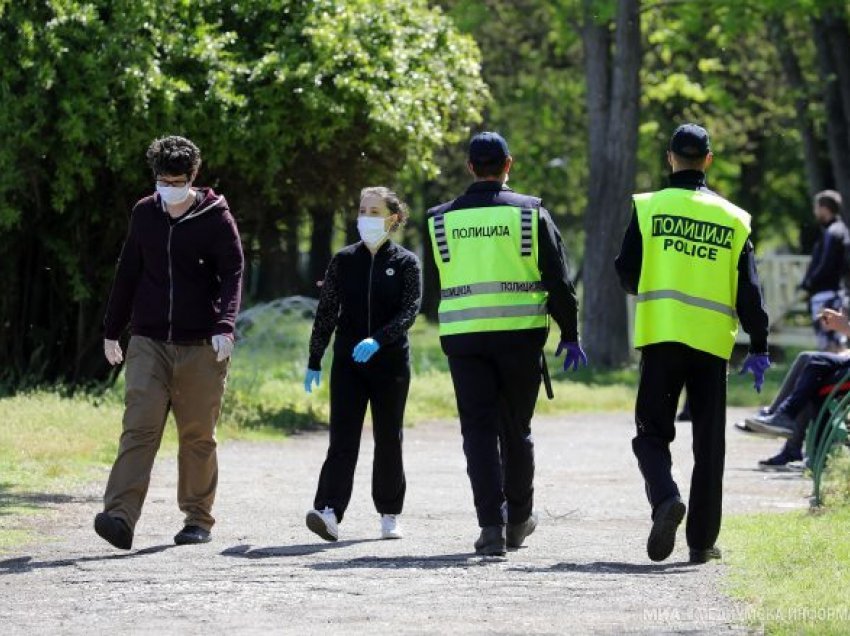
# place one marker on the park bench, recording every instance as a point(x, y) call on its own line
point(827, 429)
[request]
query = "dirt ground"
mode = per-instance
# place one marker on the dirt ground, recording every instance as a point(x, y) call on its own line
point(585, 570)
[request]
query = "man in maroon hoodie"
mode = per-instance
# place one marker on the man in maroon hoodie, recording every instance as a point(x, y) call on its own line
point(178, 284)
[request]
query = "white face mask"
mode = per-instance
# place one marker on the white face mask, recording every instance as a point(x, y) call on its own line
point(173, 195)
point(372, 229)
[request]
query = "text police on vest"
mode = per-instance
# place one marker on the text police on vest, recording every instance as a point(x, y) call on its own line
point(481, 232)
point(691, 237)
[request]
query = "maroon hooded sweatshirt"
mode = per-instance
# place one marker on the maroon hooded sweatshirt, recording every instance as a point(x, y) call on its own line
point(178, 280)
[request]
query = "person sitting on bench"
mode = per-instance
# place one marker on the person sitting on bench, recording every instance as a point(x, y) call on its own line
point(816, 374)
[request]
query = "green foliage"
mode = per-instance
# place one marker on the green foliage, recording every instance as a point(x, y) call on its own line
point(289, 100)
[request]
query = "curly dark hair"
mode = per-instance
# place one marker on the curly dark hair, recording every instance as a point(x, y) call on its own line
point(173, 155)
point(394, 203)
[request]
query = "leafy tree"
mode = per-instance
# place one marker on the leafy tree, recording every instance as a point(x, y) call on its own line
point(294, 103)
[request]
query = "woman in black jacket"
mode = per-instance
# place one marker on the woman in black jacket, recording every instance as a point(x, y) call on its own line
point(370, 296)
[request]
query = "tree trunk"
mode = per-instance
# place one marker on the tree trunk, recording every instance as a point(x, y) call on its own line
point(613, 131)
point(751, 183)
point(320, 247)
point(836, 119)
point(812, 156)
point(838, 36)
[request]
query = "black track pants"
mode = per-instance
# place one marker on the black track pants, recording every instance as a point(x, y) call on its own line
point(381, 383)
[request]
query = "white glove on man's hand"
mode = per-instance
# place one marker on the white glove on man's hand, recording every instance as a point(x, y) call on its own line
point(223, 346)
point(112, 351)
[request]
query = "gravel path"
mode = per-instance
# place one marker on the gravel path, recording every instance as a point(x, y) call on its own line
point(584, 571)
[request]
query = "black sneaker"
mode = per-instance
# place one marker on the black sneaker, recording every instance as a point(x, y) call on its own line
point(518, 532)
point(662, 538)
point(780, 460)
point(113, 530)
point(491, 542)
point(191, 535)
point(704, 556)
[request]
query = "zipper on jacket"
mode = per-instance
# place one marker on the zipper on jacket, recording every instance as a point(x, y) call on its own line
point(170, 283)
point(369, 298)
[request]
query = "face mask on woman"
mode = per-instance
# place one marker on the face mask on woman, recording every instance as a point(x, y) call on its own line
point(372, 230)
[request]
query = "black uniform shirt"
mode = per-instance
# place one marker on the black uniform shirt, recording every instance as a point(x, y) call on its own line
point(554, 274)
point(749, 303)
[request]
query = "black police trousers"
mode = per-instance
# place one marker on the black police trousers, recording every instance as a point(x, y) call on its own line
point(496, 388)
point(382, 383)
point(664, 369)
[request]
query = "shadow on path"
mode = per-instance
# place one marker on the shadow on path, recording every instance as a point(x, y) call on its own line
point(21, 565)
point(12, 502)
point(433, 562)
point(613, 567)
point(246, 552)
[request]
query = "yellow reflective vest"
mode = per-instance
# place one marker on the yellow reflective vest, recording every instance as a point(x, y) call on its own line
point(487, 261)
point(692, 241)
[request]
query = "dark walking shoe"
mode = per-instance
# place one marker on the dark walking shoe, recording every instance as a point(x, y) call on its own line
point(113, 530)
point(704, 556)
point(780, 460)
point(779, 424)
point(517, 532)
point(491, 542)
point(662, 538)
point(190, 535)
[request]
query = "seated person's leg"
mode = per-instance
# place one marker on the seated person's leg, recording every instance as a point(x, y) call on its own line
point(821, 369)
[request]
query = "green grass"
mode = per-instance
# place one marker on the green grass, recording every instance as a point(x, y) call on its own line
point(793, 569)
point(49, 444)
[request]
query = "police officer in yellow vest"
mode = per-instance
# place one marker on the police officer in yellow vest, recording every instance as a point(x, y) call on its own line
point(688, 258)
point(502, 273)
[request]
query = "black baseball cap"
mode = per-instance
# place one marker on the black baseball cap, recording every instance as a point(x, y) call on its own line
point(690, 141)
point(488, 148)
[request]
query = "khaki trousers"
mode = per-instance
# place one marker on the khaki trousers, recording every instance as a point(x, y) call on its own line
point(189, 381)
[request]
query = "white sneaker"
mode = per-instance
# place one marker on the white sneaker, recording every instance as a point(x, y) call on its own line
point(323, 523)
point(390, 528)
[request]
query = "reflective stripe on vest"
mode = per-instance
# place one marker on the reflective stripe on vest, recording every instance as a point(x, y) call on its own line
point(495, 287)
point(688, 300)
point(440, 237)
point(487, 262)
point(692, 241)
point(474, 313)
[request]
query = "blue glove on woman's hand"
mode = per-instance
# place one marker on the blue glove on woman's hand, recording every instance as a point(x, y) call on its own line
point(310, 378)
point(757, 363)
point(575, 355)
point(365, 349)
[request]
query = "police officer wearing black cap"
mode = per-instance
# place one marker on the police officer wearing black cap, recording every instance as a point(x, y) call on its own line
point(502, 273)
point(687, 257)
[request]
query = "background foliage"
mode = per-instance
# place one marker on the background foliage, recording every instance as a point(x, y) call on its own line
point(297, 104)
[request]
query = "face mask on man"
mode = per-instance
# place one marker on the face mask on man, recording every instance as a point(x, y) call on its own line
point(372, 230)
point(173, 195)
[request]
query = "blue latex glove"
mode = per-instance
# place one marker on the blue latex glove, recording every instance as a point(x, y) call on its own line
point(365, 349)
point(575, 355)
point(757, 363)
point(310, 378)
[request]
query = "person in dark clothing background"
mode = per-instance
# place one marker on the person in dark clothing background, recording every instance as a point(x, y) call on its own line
point(178, 284)
point(370, 297)
point(502, 272)
point(687, 257)
point(824, 281)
